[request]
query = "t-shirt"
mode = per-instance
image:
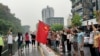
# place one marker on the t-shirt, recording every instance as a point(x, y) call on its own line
point(58, 37)
point(20, 37)
point(10, 39)
point(75, 38)
point(64, 37)
point(27, 38)
point(80, 37)
point(33, 36)
point(92, 34)
point(96, 41)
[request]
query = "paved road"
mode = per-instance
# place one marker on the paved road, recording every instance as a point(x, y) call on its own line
point(30, 52)
point(86, 52)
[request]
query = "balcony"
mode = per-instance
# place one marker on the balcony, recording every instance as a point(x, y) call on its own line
point(75, 2)
point(78, 7)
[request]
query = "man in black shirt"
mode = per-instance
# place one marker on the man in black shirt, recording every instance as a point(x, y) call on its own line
point(33, 39)
point(63, 40)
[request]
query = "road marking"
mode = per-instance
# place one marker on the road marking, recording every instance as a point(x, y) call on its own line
point(4, 51)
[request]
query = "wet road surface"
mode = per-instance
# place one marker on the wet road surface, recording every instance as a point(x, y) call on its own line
point(30, 52)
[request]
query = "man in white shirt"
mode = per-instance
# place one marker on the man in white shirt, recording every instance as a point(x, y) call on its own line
point(10, 42)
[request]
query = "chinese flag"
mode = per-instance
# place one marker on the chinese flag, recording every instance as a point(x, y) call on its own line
point(42, 33)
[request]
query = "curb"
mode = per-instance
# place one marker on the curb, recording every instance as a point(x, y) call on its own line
point(41, 51)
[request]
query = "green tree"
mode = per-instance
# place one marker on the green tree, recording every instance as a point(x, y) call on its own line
point(76, 20)
point(8, 20)
point(56, 27)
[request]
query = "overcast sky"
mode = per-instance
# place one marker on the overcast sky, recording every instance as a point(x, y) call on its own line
point(29, 11)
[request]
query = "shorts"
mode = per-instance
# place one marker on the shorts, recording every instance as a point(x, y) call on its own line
point(75, 46)
point(33, 42)
point(19, 44)
point(80, 48)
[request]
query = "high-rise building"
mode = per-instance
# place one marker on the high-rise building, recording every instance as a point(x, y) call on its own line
point(47, 13)
point(55, 20)
point(69, 20)
point(96, 5)
point(84, 8)
point(77, 7)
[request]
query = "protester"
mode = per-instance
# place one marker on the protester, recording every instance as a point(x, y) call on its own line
point(99, 44)
point(63, 39)
point(68, 40)
point(75, 44)
point(96, 40)
point(57, 39)
point(49, 39)
point(10, 43)
point(27, 39)
point(33, 39)
point(80, 40)
point(96, 44)
point(20, 41)
point(53, 40)
point(1, 44)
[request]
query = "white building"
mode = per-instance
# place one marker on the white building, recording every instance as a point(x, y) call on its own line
point(47, 13)
point(55, 20)
point(69, 20)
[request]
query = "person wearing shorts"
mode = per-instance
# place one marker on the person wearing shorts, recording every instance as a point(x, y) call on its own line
point(75, 44)
point(80, 40)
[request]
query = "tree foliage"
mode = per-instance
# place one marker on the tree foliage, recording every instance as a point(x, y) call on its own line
point(76, 20)
point(56, 27)
point(8, 20)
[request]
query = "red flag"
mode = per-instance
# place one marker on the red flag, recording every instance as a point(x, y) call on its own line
point(42, 33)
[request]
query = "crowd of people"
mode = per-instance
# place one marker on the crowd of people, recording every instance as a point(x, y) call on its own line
point(25, 40)
point(75, 38)
point(70, 37)
point(21, 39)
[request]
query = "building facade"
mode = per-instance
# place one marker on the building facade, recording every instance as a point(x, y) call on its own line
point(47, 13)
point(84, 8)
point(77, 7)
point(96, 5)
point(55, 20)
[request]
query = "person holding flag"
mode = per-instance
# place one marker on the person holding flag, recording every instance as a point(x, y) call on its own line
point(42, 32)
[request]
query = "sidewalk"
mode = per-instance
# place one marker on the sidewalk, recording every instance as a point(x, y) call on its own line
point(86, 51)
